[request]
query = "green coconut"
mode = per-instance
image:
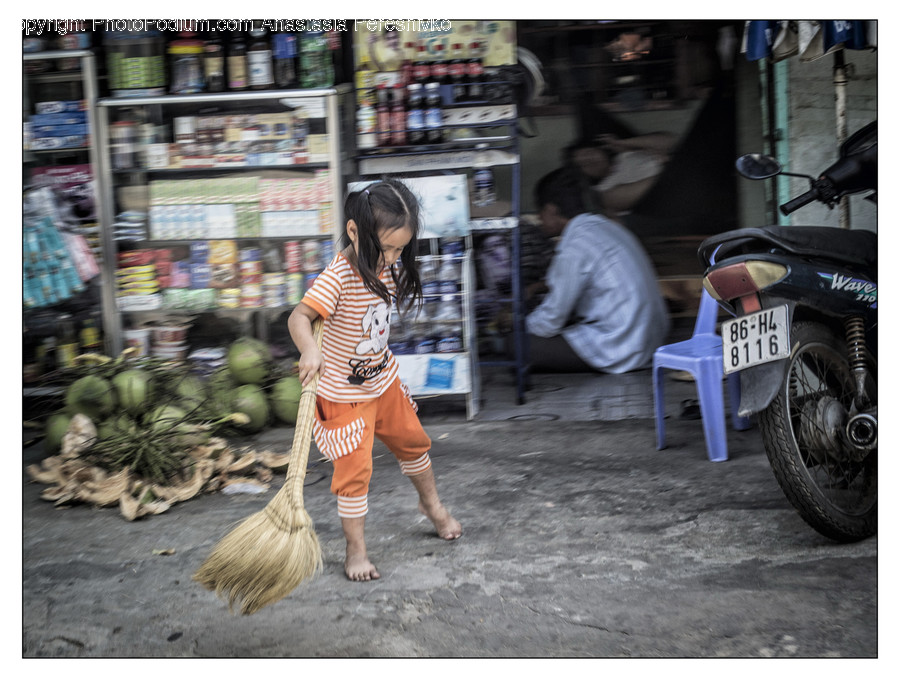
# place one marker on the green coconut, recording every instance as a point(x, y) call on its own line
point(191, 392)
point(285, 399)
point(92, 396)
point(116, 426)
point(251, 400)
point(249, 360)
point(134, 389)
point(106, 429)
point(165, 418)
point(54, 430)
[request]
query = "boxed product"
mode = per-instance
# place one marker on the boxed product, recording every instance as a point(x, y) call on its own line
point(200, 252)
point(180, 274)
point(294, 288)
point(52, 143)
point(201, 276)
point(59, 130)
point(174, 298)
point(223, 276)
point(200, 299)
point(251, 295)
point(156, 156)
point(138, 302)
point(71, 118)
point(230, 297)
point(222, 252)
point(59, 106)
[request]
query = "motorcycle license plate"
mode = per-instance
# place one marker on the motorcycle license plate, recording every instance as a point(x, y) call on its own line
point(756, 338)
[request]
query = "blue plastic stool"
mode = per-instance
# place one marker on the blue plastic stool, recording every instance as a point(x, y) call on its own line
point(701, 355)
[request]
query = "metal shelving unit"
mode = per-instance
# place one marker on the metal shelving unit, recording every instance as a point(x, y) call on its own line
point(76, 84)
point(326, 105)
point(462, 154)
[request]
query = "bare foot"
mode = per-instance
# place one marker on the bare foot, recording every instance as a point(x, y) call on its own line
point(358, 567)
point(446, 525)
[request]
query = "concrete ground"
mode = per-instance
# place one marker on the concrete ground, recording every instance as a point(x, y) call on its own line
point(581, 539)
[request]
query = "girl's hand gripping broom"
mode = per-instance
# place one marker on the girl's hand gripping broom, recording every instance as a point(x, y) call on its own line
point(267, 555)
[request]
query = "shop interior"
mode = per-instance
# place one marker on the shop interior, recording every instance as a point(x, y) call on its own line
point(183, 184)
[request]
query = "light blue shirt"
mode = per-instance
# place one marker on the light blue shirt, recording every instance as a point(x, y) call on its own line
point(603, 297)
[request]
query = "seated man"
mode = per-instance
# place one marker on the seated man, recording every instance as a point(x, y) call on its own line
point(603, 310)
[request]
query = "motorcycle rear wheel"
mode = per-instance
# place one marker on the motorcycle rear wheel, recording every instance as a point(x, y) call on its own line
point(833, 492)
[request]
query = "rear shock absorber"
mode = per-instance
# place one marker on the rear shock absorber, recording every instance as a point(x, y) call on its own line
point(862, 429)
point(856, 355)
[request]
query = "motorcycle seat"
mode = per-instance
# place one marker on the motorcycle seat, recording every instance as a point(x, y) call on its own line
point(855, 248)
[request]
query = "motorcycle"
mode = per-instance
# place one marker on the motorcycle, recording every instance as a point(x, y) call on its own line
point(804, 341)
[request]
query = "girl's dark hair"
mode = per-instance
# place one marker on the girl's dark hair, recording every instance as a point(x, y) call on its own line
point(385, 206)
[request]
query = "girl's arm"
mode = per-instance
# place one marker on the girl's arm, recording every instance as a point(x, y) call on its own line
point(300, 327)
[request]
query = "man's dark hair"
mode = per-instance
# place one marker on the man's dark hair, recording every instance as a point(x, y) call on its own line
point(564, 188)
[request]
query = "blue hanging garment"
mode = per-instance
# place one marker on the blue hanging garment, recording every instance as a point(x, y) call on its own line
point(853, 34)
point(758, 39)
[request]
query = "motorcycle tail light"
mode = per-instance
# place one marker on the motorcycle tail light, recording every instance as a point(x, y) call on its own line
point(741, 279)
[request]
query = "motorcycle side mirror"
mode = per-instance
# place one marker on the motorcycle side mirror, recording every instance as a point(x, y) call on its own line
point(758, 166)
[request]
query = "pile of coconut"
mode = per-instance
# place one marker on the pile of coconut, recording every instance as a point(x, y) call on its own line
point(146, 433)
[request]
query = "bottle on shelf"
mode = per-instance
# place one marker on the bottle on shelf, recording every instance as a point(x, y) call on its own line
point(67, 346)
point(334, 42)
point(483, 180)
point(123, 137)
point(214, 63)
point(434, 120)
point(406, 67)
point(364, 80)
point(457, 72)
point(90, 337)
point(284, 54)
point(398, 117)
point(366, 123)
point(259, 60)
point(316, 69)
point(439, 66)
point(415, 115)
point(237, 63)
point(186, 64)
point(475, 73)
point(421, 70)
point(383, 117)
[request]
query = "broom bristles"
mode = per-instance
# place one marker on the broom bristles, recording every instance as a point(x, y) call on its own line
point(267, 555)
point(260, 561)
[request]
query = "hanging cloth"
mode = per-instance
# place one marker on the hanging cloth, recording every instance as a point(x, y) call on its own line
point(811, 40)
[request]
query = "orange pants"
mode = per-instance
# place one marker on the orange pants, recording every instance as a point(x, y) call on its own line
point(345, 434)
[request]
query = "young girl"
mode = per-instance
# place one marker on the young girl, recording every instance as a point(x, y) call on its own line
point(359, 394)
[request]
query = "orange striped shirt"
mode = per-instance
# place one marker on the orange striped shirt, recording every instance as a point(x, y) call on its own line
point(358, 363)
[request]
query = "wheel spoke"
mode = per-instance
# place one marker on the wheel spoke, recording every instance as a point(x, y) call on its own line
point(814, 375)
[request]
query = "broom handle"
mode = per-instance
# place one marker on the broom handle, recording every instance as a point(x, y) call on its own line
point(303, 430)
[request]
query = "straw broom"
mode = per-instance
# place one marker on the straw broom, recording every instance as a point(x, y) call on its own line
point(268, 554)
